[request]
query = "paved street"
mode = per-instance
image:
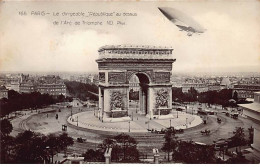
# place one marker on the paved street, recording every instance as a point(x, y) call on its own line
point(45, 122)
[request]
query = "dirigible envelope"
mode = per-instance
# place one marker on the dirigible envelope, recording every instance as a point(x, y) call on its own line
point(181, 20)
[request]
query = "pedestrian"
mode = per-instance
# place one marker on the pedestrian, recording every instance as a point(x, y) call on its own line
point(47, 115)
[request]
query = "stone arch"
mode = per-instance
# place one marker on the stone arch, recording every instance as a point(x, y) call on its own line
point(142, 76)
point(115, 71)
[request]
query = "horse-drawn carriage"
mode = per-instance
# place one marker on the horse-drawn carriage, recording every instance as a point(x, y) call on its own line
point(205, 132)
point(218, 120)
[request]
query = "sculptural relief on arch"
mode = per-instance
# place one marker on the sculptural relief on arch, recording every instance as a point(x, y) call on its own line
point(152, 65)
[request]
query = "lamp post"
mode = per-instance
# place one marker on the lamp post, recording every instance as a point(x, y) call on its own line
point(186, 122)
point(47, 156)
point(77, 121)
point(129, 126)
point(136, 107)
point(71, 112)
point(170, 122)
point(177, 114)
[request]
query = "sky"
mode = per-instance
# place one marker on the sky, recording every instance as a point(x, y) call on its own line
point(231, 42)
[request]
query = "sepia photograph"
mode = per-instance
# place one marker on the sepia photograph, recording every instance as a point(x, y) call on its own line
point(130, 82)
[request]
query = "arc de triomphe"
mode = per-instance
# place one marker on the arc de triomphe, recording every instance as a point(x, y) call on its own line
point(152, 65)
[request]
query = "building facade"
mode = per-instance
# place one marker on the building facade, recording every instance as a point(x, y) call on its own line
point(53, 89)
point(246, 90)
point(3, 92)
point(252, 111)
point(200, 87)
point(27, 87)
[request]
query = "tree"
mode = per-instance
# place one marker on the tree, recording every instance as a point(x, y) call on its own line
point(235, 96)
point(177, 94)
point(107, 143)
point(53, 145)
point(239, 159)
point(30, 148)
point(239, 138)
point(170, 141)
point(7, 149)
point(94, 156)
point(251, 135)
point(65, 141)
point(127, 145)
point(6, 127)
point(81, 90)
point(189, 152)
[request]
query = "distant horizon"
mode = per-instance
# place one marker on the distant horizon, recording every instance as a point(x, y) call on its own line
point(96, 72)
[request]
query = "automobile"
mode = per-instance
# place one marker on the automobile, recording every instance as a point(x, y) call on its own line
point(218, 120)
point(69, 106)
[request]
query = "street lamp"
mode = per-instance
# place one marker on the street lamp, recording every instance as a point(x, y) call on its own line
point(129, 125)
point(186, 122)
point(136, 106)
point(77, 121)
point(170, 123)
point(177, 114)
point(71, 112)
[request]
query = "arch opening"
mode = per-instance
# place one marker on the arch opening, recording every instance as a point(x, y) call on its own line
point(138, 94)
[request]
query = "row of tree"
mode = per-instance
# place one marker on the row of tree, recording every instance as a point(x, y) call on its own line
point(34, 100)
point(124, 149)
point(190, 152)
point(29, 147)
point(82, 91)
point(221, 97)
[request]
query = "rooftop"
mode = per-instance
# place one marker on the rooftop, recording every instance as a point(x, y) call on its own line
point(252, 106)
point(140, 47)
point(136, 52)
point(3, 88)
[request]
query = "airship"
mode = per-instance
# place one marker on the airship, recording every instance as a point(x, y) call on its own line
point(182, 21)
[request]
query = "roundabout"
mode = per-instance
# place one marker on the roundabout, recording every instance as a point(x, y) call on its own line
point(94, 131)
point(137, 124)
